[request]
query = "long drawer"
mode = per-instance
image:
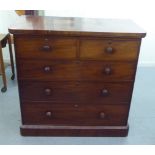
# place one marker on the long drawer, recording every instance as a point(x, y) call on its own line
point(76, 92)
point(109, 49)
point(75, 70)
point(43, 47)
point(69, 115)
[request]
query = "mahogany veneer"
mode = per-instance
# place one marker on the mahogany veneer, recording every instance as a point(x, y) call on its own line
point(75, 75)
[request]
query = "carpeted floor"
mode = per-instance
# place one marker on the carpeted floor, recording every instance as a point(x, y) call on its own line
point(141, 118)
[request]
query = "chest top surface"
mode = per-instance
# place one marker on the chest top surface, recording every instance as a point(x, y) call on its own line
point(76, 26)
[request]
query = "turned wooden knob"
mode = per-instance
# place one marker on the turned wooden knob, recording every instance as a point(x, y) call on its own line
point(46, 39)
point(107, 70)
point(76, 105)
point(47, 69)
point(48, 113)
point(102, 115)
point(104, 92)
point(109, 50)
point(48, 91)
point(46, 48)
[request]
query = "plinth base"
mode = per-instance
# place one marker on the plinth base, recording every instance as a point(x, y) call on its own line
point(91, 131)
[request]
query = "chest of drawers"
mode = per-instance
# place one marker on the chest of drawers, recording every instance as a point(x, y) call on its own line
point(75, 75)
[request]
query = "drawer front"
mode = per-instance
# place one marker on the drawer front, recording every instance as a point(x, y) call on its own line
point(76, 92)
point(45, 47)
point(109, 50)
point(70, 115)
point(82, 71)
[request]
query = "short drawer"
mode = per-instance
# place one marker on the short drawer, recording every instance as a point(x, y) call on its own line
point(76, 92)
point(109, 49)
point(75, 70)
point(70, 115)
point(43, 47)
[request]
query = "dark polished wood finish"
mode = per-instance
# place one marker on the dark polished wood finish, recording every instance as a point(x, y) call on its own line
point(75, 75)
point(70, 114)
point(76, 92)
point(46, 47)
point(53, 130)
point(70, 26)
point(107, 49)
point(47, 70)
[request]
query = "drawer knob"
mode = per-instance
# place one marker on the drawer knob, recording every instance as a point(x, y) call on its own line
point(102, 115)
point(48, 91)
point(107, 70)
point(104, 92)
point(76, 105)
point(48, 113)
point(46, 48)
point(47, 68)
point(46, 39)
point(109, 50)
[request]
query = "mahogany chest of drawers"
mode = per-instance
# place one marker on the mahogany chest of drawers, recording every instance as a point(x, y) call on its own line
point(75, 75)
